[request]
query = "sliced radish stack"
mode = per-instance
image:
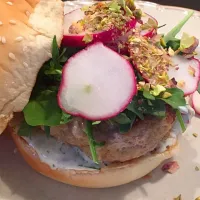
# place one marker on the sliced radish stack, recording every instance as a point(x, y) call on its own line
point(76, 40)
point(195, 102)
point(97, 83)
point(186, 73)
point(148, 32)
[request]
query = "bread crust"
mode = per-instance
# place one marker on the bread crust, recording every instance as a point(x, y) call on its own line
point(113, 175)
point(27, 28)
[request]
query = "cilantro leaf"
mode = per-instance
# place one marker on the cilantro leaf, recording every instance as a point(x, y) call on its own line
point(148, 95)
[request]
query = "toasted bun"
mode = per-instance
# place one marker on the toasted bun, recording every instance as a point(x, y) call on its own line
point(113, 175)
point(27, 28)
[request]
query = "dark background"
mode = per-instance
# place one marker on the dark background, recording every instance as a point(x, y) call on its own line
point(193, 4)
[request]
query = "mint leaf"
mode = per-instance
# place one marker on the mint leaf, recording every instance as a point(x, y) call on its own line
point(65, 118)
point(121, 119)
point(25, 129)
point(177, 99)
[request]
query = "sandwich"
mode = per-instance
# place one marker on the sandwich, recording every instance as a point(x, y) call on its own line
point(95, 98)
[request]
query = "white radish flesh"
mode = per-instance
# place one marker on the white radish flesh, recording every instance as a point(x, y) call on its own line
point(97, 83)
point(186, 73)
point(195, 100)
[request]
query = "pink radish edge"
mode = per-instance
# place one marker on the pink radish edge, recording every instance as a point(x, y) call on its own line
point(195, 102)
point(129, 99)
point(76, 40)
point(189, 93)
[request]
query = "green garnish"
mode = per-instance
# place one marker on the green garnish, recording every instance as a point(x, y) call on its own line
point(172, 34)
point(47, 130)
point(92, 144)
point(180, 119)
point(114, 7)
point(25, 129)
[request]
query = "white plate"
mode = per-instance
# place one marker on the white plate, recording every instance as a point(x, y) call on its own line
point(19, 182)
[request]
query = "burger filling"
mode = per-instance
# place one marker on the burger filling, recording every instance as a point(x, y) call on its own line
point(141, 128)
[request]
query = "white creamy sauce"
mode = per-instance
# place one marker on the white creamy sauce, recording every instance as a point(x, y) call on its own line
point(59, 155)
point(187, 113)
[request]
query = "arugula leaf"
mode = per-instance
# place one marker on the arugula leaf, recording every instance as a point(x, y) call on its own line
point(121, 119)
point(177, 99)
point(43, 110)
point(25, 129)
point(47, 130)
point(180, 119)
point(89, 132)
point(172, 34)
point(147, 95)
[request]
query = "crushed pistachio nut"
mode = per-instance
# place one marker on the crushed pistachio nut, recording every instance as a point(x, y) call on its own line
point(87, 38)
point(195, 134)
point(157, 90)
point(181, 84)
point(152, 61)
point(166, 95)
point(191, 71)
point(171, 52)
point(178, 198)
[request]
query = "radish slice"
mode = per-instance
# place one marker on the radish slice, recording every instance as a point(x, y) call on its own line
point(195, 102)
point(76, 40)
point(97, 83)
point(186, 73)
point(148, 32)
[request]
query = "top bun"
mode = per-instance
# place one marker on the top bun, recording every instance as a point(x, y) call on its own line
point(27, 28)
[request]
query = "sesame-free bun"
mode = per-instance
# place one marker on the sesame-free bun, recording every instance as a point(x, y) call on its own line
point(113, 175)
point(27, 28)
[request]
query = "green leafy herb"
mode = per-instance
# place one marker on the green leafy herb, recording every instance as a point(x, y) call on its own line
point(177, 99)
point(47, 130)
point(89, 133)
point(172, 34)
point(180, 119)
point(65, 118)
point(25, 129)
point(148, 95)
point(43, 110)
point(175, 44)
point(121, 119)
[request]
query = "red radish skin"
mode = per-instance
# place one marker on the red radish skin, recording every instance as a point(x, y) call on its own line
point(182, 73)
point(195, 102)
point(76, 40)
point(113, 99)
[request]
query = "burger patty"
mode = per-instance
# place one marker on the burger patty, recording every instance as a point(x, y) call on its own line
point(144, 137)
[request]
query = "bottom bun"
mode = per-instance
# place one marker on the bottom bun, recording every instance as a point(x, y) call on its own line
point(113, 175)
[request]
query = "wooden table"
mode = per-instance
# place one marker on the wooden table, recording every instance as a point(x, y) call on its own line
point(193, 4)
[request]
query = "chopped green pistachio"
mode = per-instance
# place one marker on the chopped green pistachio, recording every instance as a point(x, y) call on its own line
point(87, 38)
point(178, 198)
point(197, 169)
point(186, 41)
point(171, 52)
point(166, 95)
point(138, 13)
point(157, 90)
point(130, 4)
point(195, 134)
